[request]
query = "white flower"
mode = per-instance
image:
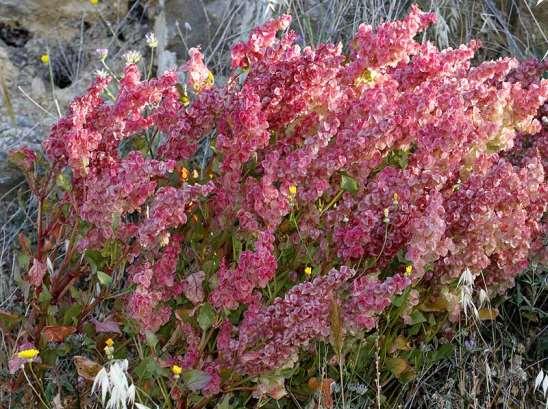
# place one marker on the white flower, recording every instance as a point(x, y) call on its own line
point(132, 57)
point(539, 378)
point(151, 40)
point(101, 73)
point(466, 278)
point(114, 382)
point(483, 297)
point(541, 381)
point(466, 284)
point(102, 53)
point(101, 380)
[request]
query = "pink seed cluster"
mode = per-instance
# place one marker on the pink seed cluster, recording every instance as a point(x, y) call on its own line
point(446, 163)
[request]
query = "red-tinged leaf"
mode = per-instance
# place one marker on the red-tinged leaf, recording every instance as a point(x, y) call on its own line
point(57, 333)
point(488, 314)
point(434, 304)
point(8, 319)
point(37, 272)
point(86, 368)
point(193, 289)
point(397, 366)
point(107, 325)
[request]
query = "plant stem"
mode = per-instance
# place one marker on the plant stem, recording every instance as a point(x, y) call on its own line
point(332, 202)
point(341, 380)
point(378, 373)
point(164, 393)
point(34, 389)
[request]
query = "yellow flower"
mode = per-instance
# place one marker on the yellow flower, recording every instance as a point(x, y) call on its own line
point(210, 79)
point(366, 77)
point(94, 2)
point(109, 342)
point(308, 270)
point(185, 100)
point(292, 190)
point(176, 371)
point(396, 198)
point(28, 353)
point(185, 174)
point(44, 58)
point(408, 270)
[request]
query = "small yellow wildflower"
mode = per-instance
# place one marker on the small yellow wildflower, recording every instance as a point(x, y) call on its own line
point(185, 100)
point(94, 2)
point(28, 353)
point(210, 79)
point(195, 174)
point(292, 190)
point(396, 199)
point(207, 83)
point(185, 174)
point(44, 58)
point(176, 371)
point(109, 348)
point(366, 77)
point(408, 270)
point(308, 270)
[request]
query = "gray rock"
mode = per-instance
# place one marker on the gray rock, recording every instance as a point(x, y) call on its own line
point(14, 137)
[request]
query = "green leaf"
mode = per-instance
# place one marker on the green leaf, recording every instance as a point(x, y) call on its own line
point(443, 352)
point(400, 299)
point(23, 260)
point(148, 368)
point(236, 248)
point(211, 265)
point(195, 379)
point(104, 278)
point(225, 403)
point(206, 316)
point(71, 313)
point(112, 249)
point(398, 157)
point(418, 317)
point(95, 260)
point(45, 296)
point(349, 184)
point(152, 340)
point(63, 181)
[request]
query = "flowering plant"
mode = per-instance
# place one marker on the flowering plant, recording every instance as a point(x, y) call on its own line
point(243, 222)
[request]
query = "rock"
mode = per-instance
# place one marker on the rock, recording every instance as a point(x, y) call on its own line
point(214, 25)
point(14, 137)
point(7, 70)
point(53, 19)
point(166, 59)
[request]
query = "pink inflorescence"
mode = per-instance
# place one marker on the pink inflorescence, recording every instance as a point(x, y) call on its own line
point(395, 153)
